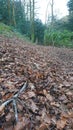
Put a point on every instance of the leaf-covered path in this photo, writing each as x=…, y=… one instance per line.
x=47, y=104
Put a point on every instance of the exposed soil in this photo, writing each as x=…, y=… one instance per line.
x=49, y=96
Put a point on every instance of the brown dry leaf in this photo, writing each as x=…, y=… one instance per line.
x=70, y=114
x=43, y=126
x=45, y=117
x=9, y=84
x=7, y=96
x=69, y=93
x=70, y=105
x=61, y=123
x=62, y=98
x=1, y=79
x=2, y=109
x=67, y=84
x=55, y=104
x=31, y=86
x=33, y=106
x=50, y=71
x=31, y=94
x=13, y=90
x=8, y=117
x=48, y=96
x=30, y=71
x=20, y=107
x=19, y=126
x=39, y=75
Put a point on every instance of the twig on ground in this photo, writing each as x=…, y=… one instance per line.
x=13, y=100
x=15, y=110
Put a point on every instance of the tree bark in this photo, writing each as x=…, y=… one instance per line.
x=9, y=12
x=32, y=8
x=13, y=14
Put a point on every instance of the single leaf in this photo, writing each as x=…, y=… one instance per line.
x=43, y=126
x=2, y=108
x=19, y=126
x=48, y=96
x=61, y=123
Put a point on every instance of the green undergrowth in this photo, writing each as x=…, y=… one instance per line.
x=59, y=38
x=10, y=32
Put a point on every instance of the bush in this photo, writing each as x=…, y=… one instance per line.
x=58, y=38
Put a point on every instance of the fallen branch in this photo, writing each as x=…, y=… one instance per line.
x=15, y=110
x=13, y=100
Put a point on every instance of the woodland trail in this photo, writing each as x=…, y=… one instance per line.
x=49, y=97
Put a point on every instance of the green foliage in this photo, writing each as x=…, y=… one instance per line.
x=23, y=25
x=11, y=32
x=70, y=5
x=56, y=35
x=61, y=34
x=3, y=11
x=70, y=8
x=58, y=38
x=39, y=31
x=6, y=30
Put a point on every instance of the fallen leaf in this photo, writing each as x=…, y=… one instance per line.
x=61, y=123
x=55, y=104
x=31, y=86
x=45, y=117
x=2, y=108
x=33, y=106
x=19, y=126
x=43, y=126
x=8, y=117
x=31, y=94
x=67, y=84
x=48, y=96
x=69, y=93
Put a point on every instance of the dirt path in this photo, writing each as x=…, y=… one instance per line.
x=49, y=72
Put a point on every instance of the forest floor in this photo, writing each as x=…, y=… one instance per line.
x=47, y=102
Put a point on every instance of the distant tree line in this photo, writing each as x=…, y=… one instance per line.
x=21, y=15
x=59, y=32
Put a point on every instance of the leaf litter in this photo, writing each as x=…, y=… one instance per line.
x=47, y=103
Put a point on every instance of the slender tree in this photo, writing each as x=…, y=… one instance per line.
x=52, y=19
x=52, y=12
x=13, y=13
x=32, y=18
x=32, y=24
x=9, y=12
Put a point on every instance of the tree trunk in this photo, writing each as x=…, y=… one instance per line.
x=9, y=12
x=52, y=13
x=13, y=14
x=32, y=8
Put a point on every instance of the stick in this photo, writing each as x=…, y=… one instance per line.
x=4, y=104
x=21, y=90
x=15, y=110
x=13, y=98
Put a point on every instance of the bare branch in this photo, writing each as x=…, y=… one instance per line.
x=13, y=99
x=21, y=90
x=15, y=110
